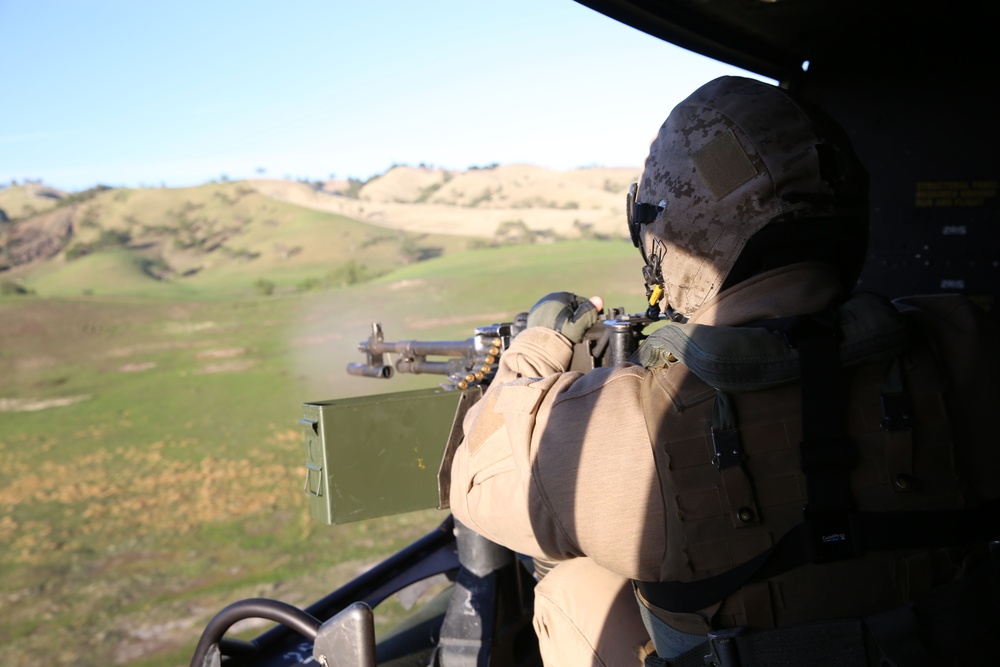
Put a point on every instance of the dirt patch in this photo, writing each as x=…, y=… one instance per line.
x=227, y=367
x=189, y=327
x=137, y=367
x=148, y=639
x=403, y=284
x=36, y=404
x=128, y=351
x=225, y=353
x=34, y=363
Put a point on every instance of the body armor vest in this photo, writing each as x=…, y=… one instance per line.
x=725, y=418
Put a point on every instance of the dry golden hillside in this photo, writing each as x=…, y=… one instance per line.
x=476, y=202
x=23, y=201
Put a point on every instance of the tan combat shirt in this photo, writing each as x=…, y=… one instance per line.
x=558, y=465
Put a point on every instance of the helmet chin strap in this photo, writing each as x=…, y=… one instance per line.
x=652, y=272
x=674, y=316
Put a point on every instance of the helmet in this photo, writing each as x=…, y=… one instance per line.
x=736, y=156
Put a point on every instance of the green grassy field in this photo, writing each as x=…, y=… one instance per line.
x=150, y=461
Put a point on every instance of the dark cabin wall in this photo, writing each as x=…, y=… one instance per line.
x=917, y=99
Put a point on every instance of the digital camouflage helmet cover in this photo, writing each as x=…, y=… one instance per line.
x=734, y=157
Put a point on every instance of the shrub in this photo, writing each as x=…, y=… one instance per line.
x=113, y=237
x=264, y=287
x=79, y=250
x=350, y=273
x=485, y=195
x=11, y=288
x=155, y=267
x=408, y=249
x=89, y=193
x=586, y=231
x=309, y=284
x=514, y=232
x=426, y=193
x=354, y=186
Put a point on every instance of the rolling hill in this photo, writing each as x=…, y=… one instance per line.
x=268, y=234
x=476, y=202
x=23, y=201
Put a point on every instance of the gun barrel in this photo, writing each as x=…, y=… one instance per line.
x=424, y=348
x=417, y=366
x=369, y=371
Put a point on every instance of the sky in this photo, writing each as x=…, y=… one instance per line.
x=176, y=93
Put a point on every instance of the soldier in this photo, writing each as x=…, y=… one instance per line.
x=788, y=473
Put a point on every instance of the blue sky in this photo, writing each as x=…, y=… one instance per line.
x=178, y=93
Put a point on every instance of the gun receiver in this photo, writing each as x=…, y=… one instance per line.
x=467, y=362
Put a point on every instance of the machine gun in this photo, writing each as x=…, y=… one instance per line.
x=472, y=362
x=400, y=445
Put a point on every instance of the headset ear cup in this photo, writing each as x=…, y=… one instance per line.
x=633, y=228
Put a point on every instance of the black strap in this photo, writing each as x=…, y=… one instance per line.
x=827, y=454
x=956, y=619
x=837, y=643
x=876, y=531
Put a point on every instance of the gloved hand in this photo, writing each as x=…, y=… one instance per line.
x=566, y=313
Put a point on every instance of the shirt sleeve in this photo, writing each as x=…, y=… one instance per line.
x=558, y=464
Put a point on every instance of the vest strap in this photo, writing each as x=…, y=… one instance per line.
x=877, y=531
x=827, y=454
x=958, y=618
x=728, y=457
x=898, y=425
